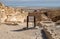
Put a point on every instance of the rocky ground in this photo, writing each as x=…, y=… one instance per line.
x=17, y=32
x=52, y=32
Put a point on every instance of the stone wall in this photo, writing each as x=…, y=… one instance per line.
x=50, y=30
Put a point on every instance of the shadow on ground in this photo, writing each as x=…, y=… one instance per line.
x=24, y=29
x=43, y=34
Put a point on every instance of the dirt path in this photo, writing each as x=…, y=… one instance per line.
x=7, y=32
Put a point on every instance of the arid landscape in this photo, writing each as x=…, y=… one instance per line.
x=29, y=22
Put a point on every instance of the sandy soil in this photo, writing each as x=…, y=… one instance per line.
x=14, y=32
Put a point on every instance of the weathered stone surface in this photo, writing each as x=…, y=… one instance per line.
x=51, y=31
x=10, y=14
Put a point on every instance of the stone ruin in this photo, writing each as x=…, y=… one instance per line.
x=9, y=14
x=50, y=30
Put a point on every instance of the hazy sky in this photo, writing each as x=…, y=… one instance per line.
x=44, y=3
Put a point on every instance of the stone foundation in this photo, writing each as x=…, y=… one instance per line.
x=50, y=30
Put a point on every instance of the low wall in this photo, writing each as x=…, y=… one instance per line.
x=50, y=30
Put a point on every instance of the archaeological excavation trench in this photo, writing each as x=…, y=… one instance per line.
x=21, y=23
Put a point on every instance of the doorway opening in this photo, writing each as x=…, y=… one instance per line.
x=31, y=19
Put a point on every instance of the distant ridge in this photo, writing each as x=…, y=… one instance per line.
x=37, y=7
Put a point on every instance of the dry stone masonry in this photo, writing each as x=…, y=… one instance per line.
x=50, y=30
